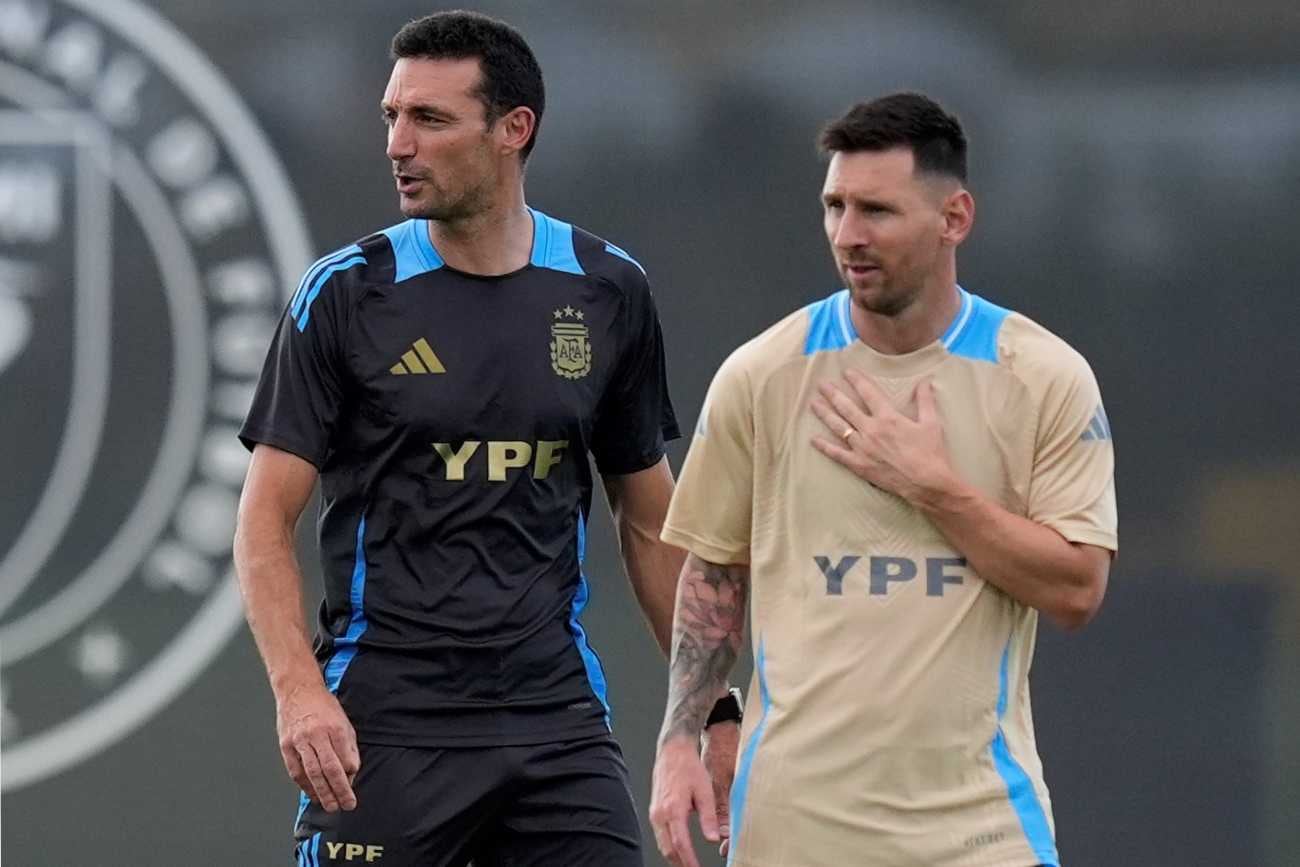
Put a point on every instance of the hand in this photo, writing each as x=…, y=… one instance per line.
x=681, y=785
x=721, y=743
x=880, y=444
x=319, y=746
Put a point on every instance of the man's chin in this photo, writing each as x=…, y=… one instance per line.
x=415, y=208
x=874, y=298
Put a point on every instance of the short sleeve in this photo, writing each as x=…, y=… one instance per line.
x=300, y=393
x=635, y=416
x=1072, y=489
x=712, y=506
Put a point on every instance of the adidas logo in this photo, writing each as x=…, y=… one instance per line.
x=1098, y=428
x=420, y=358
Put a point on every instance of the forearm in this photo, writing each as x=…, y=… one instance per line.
x=653, y=567
x=271, y=584
x=708, y=628
x=1028, y=561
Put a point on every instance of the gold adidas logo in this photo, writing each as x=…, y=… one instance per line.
x=420, y=358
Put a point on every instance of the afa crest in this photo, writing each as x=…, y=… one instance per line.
x=570, y=347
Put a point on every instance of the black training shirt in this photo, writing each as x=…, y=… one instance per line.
x=451, y=416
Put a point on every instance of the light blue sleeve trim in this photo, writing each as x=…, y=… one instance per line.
x=413, y=252
x=319, y=283
x=346, y=646
x=740, y=786
x=553, y=244
x=1098, y=427
x=829, y=325
x=1020, y=789
x=977, y=337
x=1105, y=422
x=623, y=254
x=308, y=278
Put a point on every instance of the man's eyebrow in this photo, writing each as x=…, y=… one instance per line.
x=425, y=107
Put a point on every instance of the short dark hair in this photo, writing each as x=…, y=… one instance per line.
x=511, y=76
x=910, y=120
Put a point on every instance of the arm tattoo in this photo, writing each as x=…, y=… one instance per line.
x=707, y=630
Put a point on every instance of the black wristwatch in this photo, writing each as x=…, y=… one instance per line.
x=729, y=708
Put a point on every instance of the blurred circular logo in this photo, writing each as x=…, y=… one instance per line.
x=146, y=228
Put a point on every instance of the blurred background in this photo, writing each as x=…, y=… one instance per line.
x=167, y=170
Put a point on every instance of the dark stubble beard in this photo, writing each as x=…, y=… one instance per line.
x=472, y=201
x=469, y=204
x=889, y=302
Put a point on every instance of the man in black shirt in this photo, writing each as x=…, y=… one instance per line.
x=446, y=379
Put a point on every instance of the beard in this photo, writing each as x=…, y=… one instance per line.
x=447, y=207
x=466, y=190
x=887, y=298
x=889, y=302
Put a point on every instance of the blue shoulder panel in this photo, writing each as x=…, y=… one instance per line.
x=975, y=333
x=622, y=254
x=413, y=252
x=829, y=325
x=553, y=244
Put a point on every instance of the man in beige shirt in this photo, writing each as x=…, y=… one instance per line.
x=900, y=477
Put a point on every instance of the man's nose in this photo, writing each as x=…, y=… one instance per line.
x=851, y=232
x=401, y=143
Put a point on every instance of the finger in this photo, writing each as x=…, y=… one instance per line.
x=345, y=747
x=683, y=851
x=834, y=422
x=871, y=395
x=335, y=777
x=707, y=807
x=724, y=812
x=926, y=409
x=662, y=840
x=836, y=451
x=293, y=765
x=724, y=828
x=725, y=847
x=848, y=407
x=316, y=779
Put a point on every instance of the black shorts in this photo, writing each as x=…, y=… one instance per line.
x=520, y=806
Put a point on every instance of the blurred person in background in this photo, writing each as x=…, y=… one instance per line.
x=901, y=476
x=446, y=379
